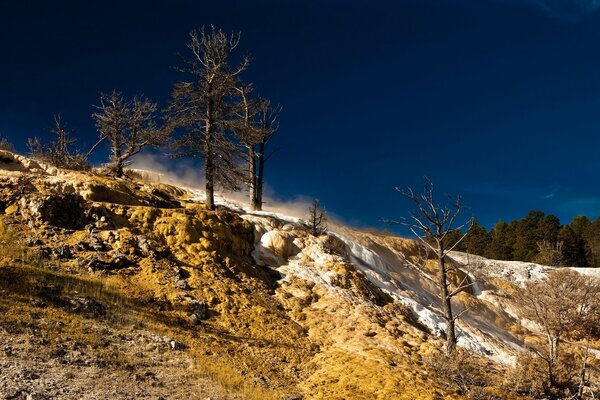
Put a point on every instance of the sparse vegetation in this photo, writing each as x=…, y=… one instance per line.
x=202, y=107
x=317, y=218
x=432, y=224
x=128, y=126
x=123, y=263
x=5, y=144
x=59, y=151
x=257, y=122
x=566, y=306
x=467, y=374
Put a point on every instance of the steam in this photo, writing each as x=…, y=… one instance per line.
x=184, y=173
x=181, y=173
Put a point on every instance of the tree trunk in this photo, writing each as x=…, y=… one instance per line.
x=446, y=302
x=252, y=177
x=552, y=357
x=209, y=167
x=583, y=369
x=259, y=177
x=118, y=168
x=210, y=186
x=117, y=158
x=582, y=378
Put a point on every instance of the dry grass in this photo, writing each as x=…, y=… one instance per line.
x=34, y=297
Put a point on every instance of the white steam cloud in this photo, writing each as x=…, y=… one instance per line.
x=185, y=173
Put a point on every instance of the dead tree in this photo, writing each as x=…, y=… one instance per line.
x=268, y=126
x=256, y=123
x=128, y=126
x=5, y=144
x=566, y=305
x=432, y=223
x=249, y=135
x=59, y=152
x=202, y=107
x=317, y=218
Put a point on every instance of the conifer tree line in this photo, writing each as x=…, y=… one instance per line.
x=539, y=238
x=213, y=115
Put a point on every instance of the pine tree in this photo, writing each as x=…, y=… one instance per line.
x=477, y=239
x=573, y=248
x=591, y=237
x=500, y=247
x=579, y=224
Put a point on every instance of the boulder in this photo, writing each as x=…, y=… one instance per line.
x=62, y=211
x=116, y=261
x=62, y=252
x=87, y=306
x=280, y=243
x=198, y=310
x=274, y=248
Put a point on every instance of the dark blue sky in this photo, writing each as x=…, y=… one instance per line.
x=496, y=100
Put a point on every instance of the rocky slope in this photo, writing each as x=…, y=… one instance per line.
x=132, y=289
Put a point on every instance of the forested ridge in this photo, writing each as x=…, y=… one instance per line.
x=537, y=237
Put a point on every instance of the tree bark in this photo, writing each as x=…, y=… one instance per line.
x=209, y=167
x=552, y=356
x=446, y=301
x=259, y=177
x=117, y=157
x=252, y=177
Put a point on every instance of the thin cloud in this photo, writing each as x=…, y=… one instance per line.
x=552, y=193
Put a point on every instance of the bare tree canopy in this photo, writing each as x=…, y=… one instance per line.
x=248, y=133
x=433, y=223
x=268, y=117
x=257, y=122
x=5, y=144
x=566, y=305
x=59, y=152
x=202, y=106
x=128, y=125
x=317, y=218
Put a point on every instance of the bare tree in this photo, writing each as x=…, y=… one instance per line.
x=268, y=126
x=59, y=152
x=433, y=224
x=566, y=305
x=249, y=136
x=128, y=126
x=256, y=123
x=202, y=106
x=5, y=144
x=317, y=218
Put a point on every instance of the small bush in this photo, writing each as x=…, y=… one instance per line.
x=6, y=145
x=465, y=374
x=530, y=376
x=58, y=152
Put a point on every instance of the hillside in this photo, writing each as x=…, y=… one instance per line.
x=130, y=288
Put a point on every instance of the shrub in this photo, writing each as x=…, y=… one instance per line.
x=58, y=152
x=464, y=373
x=6, y=145
x=530, y=377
